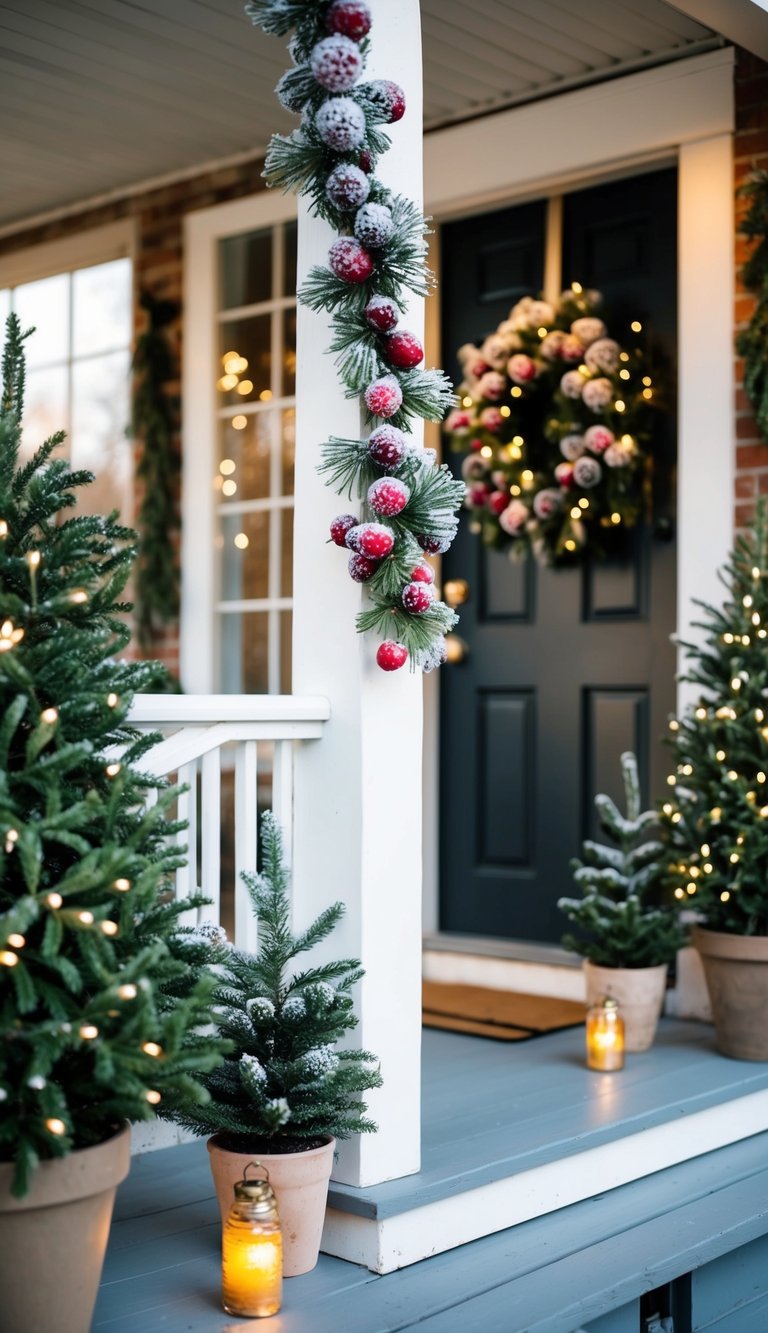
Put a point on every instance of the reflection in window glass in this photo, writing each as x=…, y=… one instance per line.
x=244, y=556
x=46, y=406
x=5, y=305
x=245, y=269
x=44, y=305
x=245, y=450
x=243, y=653
x=245, y=360
x=100, y=410
x=101, y=307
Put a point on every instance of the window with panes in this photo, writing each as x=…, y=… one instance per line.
x=255, y=383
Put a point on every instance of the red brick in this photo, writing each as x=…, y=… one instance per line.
x=746, y=428
x=746, y=486
x=751, y=455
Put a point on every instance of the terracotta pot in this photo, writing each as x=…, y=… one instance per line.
x=52, y=1242
x=736, y=968
x=640, y=995
x=300, y=1181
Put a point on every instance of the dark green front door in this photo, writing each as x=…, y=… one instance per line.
x=565, y=669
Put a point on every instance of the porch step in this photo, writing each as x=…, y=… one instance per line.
x=511, y=1133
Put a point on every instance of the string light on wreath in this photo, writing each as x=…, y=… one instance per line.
x=407, y=503
x=569, y=443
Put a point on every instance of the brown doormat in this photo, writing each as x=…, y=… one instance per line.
x=505, y=1015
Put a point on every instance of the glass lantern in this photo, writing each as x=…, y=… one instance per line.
x=605, y=1036
x=252, y=1249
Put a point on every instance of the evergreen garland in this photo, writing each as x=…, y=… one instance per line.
x=103, y=1001
x=752, y=342
x=717, y=811
x=621, y=928
x=380, y=255
x=158, y=470
x=284, y=1083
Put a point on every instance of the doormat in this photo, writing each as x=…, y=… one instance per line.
x=501, y=1014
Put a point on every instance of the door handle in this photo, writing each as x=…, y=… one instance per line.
x=456, y=592
x=456, y=650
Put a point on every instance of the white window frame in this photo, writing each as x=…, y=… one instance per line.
x=202, y=232
x=681, y=112
x=97, y=245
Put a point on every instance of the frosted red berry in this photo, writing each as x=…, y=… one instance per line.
x=375, y=541
x=336, y=63
x=433, y=545
x=341, y=526
x=353, y=536
x=374, y=225
x=350, y=17
x=388, y=496
x=360, y=568
x=387, y=446
x=384, y=397
x=340, y=122
x=389, y=96
x=403, y=349
x=390, y=656
x=365, y=161
x=347, y=187
x=498, y=501
x=381, y=313
x=418, y=597
x=422, y=574
x=350, y=260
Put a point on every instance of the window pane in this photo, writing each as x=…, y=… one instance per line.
x=45, y=304
x=289, y=280
x=100, y=413
x=289, y=354
x=289, y=450
x=5, y=306
x=244, y=454
x=286, y=652
x=245, y=269
x=243, y=653
x=101, y=307
x=244, y=556
x=286, y=552
x=45, y=407
x=247, y=340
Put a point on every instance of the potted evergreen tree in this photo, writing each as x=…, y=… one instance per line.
x=284, y=1094
x=627, y=943
x=717, y=811
x=100, y=1001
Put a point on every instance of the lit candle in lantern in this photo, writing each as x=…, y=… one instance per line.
x=605, y=1036
x=252, y=1250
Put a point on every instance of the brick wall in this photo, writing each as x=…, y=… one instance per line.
x=750, y=153
x=159, y=221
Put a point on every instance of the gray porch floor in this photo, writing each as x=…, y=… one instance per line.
x=583, y=1267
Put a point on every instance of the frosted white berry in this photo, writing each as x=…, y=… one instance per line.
x=374, y=225
x=336, y=63
x=347, y=186
x=340, y=122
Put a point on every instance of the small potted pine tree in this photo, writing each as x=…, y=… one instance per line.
x=717, y=811
x=284, y=1094
x=102, y=1005
x=627, y=943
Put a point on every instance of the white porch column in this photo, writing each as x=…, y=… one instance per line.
x=358, y=792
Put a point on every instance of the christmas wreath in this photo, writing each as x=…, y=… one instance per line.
x=557, y=415
x=408, y=503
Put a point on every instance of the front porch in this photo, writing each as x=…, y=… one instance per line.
x=507, y=1134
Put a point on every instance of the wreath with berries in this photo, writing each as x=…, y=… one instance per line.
x=409, y=503
x=558, y=418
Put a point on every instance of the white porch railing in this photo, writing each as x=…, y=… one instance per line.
x=249, y=741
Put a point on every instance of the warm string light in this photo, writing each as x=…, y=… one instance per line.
x=127, y=991
x=89, y=1032
x=16, y=941
x=54, y=901
x=108, y=927
x=10, y=635
x=152, y=1048
x=11, y=838
x=122, y=885
x=78, y=596
x=112, y=701
x=3, y=529
x=49, y=716
x=55, y=1126
x=153, y=1096
x=8, y=958
x=112, y=770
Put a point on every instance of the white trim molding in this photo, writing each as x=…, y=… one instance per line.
x=95, y=245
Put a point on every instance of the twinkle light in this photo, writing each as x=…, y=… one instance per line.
x=674, y=725
x=239, y=422
x=152, y=1048
x=78, y=596
x=720, y=756
x=515, y=490
x=8, y=958
x=735, y=683
x=667, y=808
x=3, y=528
x=86, y=918
x=716, y=814
x=705, y=849
x=516, y=391
x=764, y=812
x=619, y=405
x=647, y=393
x=245, y=386
x=728, y=638
x=624, y=374
x=576, y=288
x=722, y=712
x=55, y=1126
x=108, y=927
x=229, y=487
x=647, y=381
x=732, y=774
x=112, y=770
x=755, y=617
x=226, y=383
x=707, y=867
x=11, y=838
x=570, y=545
x=724, y=896
x=49, y=715
x=122, y=885
x=54, y=900
x=517, y=439
x=486, y=451
x=623, y=356
x=615, y=518
x=33, y=560
x=127, y=991
x=112, y=700
x=690, y=888
x=576, y=512
x=515, y=451
x=505, y=411
x=755, y=572
x=679, y=893
x=734, y=858
x=671, y=780
x=466, y=402
x=686, y=770
x=228, y=356
x=584, y=502
x=740, y=840
x=694, y=872
x=701, y=714
x=16, y=941
x=241, y=540
x=527, y=476
x=153, y=1096
x=764, y=733
x=747, y=601
x=10, y=635
x=227, y=466
x=89, y=1032
x=542, y=332
x=676, y=818
x=636, y=326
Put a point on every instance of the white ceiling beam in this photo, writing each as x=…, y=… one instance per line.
x=744, y=22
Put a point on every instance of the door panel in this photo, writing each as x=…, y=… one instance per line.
x=565, y=669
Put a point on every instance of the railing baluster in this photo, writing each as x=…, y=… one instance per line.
x=282, y=792
x=246, y=839
x=210, y=867
x=186, y=875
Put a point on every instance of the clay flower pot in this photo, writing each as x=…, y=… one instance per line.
x=300, y=1181
x=640, y=995
x=736, y=968
x=52, y=1242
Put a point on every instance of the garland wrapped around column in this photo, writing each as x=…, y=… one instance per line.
x=752, y=342
x=409, y=503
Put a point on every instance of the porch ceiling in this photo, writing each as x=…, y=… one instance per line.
x=97, y=96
